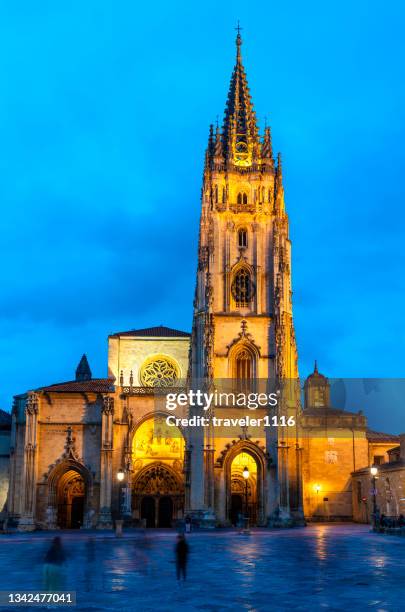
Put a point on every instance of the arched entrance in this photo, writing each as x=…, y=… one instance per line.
x=243, y=490
x=159, y=494
x=158, y=480
x=70, y=500
x=245, y=496
x=69, y=489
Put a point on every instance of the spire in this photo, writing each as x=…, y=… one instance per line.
x=210, y=148
x=316, y=367
x=267, y=149
x=279, y=169
x=211, y=140
x=218, y=143
x=238, y=45
x=240, y=131
x=279, y=189
x=83, y=371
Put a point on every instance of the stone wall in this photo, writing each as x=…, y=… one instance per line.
x=389, y=489
x=127, y=354
x=4, y=468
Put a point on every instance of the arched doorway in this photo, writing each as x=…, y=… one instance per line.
x=159, y=493
x=158, y=480
x=71, y=491
x=243, y=490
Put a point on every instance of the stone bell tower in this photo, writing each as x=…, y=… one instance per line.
x=243, y=326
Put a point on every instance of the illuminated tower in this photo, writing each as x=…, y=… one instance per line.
x=243, y=326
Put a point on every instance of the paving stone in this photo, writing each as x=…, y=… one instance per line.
x=320, y=567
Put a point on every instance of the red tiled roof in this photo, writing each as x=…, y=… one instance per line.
x=379, y=436
x=160, y=331
x=5, y=417
x=96, y=385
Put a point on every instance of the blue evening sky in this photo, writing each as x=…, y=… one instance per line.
x=104, y=115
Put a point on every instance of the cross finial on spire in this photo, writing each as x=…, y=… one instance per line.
x=316, y=367
x=238, y=42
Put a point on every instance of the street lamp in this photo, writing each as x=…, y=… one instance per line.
x=317, y=488
x=374, y=476
x=246, y=475
x=119, y=522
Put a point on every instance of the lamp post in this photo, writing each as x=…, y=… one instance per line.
x=317, y=488
x=374, y=476
x=246, y=475
x=119, y=521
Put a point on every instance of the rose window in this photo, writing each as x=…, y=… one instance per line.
x=159, y=372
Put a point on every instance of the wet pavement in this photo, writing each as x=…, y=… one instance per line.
x=320, y=567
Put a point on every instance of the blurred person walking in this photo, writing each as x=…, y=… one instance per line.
x=53, y=566
x=181, y=557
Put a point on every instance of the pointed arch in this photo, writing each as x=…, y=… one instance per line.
x=243, y=362
x=242, y=238
x=259, y=456
x=68, y=473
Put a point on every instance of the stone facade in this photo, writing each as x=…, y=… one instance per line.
x=389, y=484
x=5, y=432
x=89, y=450
x=243, y=328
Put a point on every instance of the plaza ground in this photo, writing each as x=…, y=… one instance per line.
x=320, y=567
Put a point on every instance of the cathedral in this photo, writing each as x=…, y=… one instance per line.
x=88, y=451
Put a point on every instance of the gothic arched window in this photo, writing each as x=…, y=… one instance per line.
x=244, y=369
x=242, y=198
x=223, y=195
x=242, y=287
x=242, y=238
x=244, y=365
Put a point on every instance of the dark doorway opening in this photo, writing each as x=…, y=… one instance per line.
x=71, y=495
x=165, y=511
x=77, y=512
x=236, y=508
x=148, y=510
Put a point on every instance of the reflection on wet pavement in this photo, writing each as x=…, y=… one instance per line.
x=323, y=567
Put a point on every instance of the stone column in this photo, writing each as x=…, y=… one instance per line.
x=187, y=476
x=209, y=476
x=106, y=475
x=283, y=483
x=28, y=492
x=197, y=474
x=299, y=510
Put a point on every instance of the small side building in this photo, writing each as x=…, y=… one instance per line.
x=389, y=484
x=335, y=443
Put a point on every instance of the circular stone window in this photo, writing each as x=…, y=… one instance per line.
x=159, y=372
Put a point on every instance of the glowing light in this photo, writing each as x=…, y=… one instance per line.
x=245, y=473
x=373, y=471
x=120, y=475
x=317, y=487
